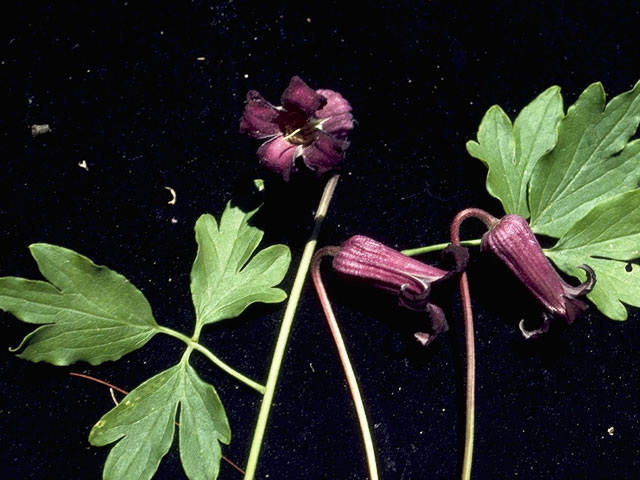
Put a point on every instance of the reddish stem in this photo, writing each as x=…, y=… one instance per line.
x=97, y=380
x=349, y=373
x=490, y=221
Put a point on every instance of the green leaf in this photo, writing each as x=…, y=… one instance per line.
x=591, y=162
x=510, y=152
x=223, y=280
x=89, y=312
x=606, y=239
x=203, y=425
x=143, y=425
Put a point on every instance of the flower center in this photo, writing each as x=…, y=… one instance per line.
x=297, y=128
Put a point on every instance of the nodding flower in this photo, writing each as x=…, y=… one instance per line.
x=365, y=260
x=312, y=124
x=513, y=242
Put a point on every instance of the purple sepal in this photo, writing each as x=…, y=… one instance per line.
x=259, y=117
x=278, y=155
x=325, y=153
x=513, y=242
x=438, y=325
x=336, y=114
x=299, y=96
x=365, y=260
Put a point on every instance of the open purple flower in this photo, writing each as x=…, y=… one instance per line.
x=366, y=260
x=513, y=242
x=312, y=124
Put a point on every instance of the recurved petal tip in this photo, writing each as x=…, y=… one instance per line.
x=424, y=338
x=438, y=325
x=586, y=286
x=411, y=299
x=531, y=334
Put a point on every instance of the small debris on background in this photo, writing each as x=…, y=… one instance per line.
x=173, y=196
x=610, y=431
x=174, y=220
x=83, y=164
x=200, y=59
x=39, y=129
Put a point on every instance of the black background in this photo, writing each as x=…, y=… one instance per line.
x=122, y=89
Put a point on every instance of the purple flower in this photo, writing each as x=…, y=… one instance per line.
x=513, y=242
x=366, y=260
x=312, y=124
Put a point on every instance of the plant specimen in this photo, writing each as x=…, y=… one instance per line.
x=572, y=177
x=90, y=313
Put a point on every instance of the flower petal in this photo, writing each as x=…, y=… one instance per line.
x=575, y=307
x=336, y=114
x=278, y=155
x=368, y=260
x=325, y=153
x=530, y=334
x=259, y=117
x=338, y=126
x=299, y=96
x=438, y=325
x=513, y=242
x=336, y=104
x=584, y=287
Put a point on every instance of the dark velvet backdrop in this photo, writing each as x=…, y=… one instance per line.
x=122, y=88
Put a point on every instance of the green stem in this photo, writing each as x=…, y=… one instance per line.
x=207, y=353
x=439, y=246
x=285, y=328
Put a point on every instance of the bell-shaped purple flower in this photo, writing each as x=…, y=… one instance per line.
x=513, y=242
x=366, y=260
x=312, y=124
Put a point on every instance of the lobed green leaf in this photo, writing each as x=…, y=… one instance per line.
x=225, y=279
x=606, y=239
x=88, y=312
x=511, y=152
x=591, y=162
x=143, y=424
x=203, y=425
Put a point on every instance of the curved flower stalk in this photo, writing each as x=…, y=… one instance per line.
x=312, y=124
x=513, y=242
x=365, y=260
